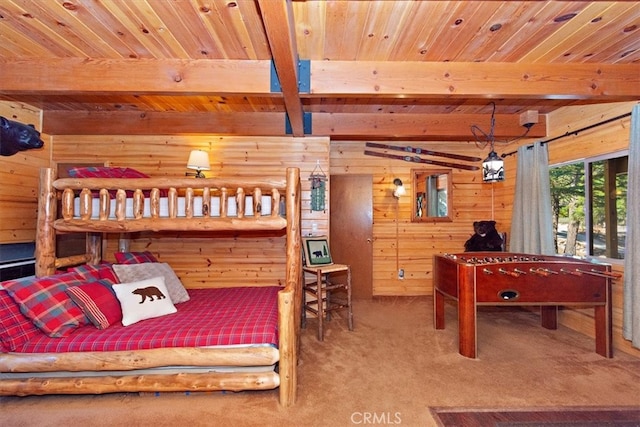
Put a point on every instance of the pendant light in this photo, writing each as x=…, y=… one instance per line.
x=493, y=165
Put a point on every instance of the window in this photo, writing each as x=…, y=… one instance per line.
x=432, y=195
x=589, y=201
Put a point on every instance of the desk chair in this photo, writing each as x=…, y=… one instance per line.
x=323, y=285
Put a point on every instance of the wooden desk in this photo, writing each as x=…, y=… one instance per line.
x=501, y=278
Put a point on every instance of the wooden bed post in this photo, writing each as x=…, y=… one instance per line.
x=289, y=300
x=45, y=234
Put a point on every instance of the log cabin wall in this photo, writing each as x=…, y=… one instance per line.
x=19, y=176
x=199, y=260
x=415, y=243
x=411, y=245
x=600, y=140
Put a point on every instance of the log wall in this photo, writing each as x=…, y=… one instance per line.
x=397, y=241
x=604, y=139
x=19, y=177
x=201, y=260
x=412, y=245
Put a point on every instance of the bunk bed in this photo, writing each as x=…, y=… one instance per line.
x=117, y=206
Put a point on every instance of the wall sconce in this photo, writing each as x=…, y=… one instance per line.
x=399, y=190
x=199, y=161
x=492, y=167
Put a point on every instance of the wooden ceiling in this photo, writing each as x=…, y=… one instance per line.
x=347, y=69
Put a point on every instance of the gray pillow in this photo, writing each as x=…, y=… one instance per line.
x=135, y=272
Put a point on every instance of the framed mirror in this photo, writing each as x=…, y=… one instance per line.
x=432, y=198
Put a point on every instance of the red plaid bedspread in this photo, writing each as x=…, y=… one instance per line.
x=226, y=316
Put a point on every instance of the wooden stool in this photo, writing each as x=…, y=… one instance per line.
x=322, y=287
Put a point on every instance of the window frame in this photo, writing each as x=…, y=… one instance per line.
x=588, y=213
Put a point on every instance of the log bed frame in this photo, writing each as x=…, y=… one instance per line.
x=139, y=371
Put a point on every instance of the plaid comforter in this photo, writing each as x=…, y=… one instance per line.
x=227, y=316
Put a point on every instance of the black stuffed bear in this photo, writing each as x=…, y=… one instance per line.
x=15, y=136
x=485, y=238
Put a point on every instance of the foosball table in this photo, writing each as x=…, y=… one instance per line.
x=475, y=279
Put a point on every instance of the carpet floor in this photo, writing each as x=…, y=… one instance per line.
x=389, y=370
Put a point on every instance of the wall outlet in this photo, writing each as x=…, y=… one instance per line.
x=401, y=273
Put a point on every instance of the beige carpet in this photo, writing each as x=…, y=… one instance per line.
x=389, y=371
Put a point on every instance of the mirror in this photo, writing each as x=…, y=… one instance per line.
x=432, y=195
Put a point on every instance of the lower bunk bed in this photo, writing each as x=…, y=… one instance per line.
x=232, y=339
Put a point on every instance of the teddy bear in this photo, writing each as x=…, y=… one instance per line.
x=485, y=238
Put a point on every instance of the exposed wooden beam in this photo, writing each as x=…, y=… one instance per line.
x=602, y=82
x=426, y=126
x=134, y=76
x=277, y=17
x=417, y=126
x=617, y=82
x=161, y=123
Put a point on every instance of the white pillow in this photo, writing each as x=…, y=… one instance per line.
x=146, y=270
x=143, y=300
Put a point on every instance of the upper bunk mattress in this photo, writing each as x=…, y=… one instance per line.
x=212, y=317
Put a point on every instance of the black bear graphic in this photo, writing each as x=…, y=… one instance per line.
x=150, y=292
x=318, y=254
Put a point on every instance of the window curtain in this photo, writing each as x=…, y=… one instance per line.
x=631, y=304
x=531, y=223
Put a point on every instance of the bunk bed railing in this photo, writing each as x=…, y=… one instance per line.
x=89, y=204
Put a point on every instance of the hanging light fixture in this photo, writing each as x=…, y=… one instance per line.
x=198, y=161
x=493, y=165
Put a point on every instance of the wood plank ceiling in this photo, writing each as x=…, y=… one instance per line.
x=347, y=69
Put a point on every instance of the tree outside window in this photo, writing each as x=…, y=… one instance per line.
x=589, y=206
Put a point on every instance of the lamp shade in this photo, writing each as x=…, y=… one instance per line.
x=198, y=160
x=493, y=168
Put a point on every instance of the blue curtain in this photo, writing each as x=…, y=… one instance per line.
x=531, y=223
x=631, y=305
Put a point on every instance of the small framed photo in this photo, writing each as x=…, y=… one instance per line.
x=316, y=251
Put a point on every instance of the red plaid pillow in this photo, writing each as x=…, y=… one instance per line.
x=105, y=172
x=45, y=302
x=98, y=302
x=108, y=172
x=91, y=272
x=15, y=328
x=135, y=257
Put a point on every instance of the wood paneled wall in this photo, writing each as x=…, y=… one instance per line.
x=600, y=140
x=19, y=179
x=204, y=261
x=603, y=139
x=200, y=259
x=397, y=241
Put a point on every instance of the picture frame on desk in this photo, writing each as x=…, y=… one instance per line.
x=316, y=251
